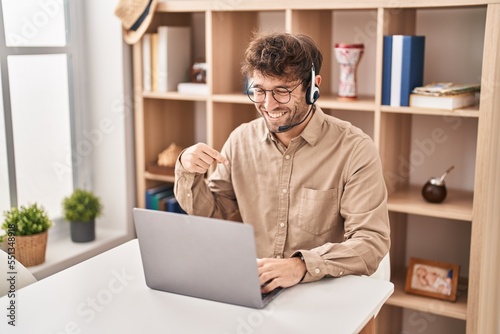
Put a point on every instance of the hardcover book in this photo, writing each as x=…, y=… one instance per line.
x=403, y=68
x=193, y=88
x=447, y=102
x=174, y=57
x=146, y=62
x=151, y=192
x=154, y=62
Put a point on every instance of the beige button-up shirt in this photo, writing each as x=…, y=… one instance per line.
x=323, y=196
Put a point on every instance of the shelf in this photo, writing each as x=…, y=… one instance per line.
x=457, y=205
x=469, y=28
x=362, y=103
x=174, y=96
x=261, y=5
x=232, y=98
x=400, y=298
x=158, y=177
x=472, y=112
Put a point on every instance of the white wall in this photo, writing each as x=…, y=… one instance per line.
x=111, y=117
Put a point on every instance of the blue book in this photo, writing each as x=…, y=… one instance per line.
x=412, y=71
x=407, y=68
x=159, y=196
x=386, y=71
x=152, y=191
x=173, y=205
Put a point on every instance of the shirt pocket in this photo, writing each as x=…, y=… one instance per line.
x=318, y=210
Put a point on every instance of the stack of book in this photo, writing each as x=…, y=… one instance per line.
x=403, y=68
x=444, y=95
x=166, y=58
x=162, y=198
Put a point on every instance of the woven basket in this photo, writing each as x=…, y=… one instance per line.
x=30, y=249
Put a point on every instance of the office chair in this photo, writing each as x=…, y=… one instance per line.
x=23, y=276
x=383, y=271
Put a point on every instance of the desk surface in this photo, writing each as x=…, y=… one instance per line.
x=108, y=294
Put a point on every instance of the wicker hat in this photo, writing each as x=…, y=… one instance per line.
x=136, y=16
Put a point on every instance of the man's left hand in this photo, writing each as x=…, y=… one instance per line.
x=280, y=272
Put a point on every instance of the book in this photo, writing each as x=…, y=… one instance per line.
x=412, y=72
x=150, y=192
x=396, y=70
x=446, y=88
x=403, y=68
x=155, y=202
x=193, y=88
x=146, y=62
x=386, y=70
x=154, y=62
x=447, y=102
x=173, y=205
x=174, y=57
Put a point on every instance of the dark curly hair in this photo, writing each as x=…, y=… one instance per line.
x=283, y=55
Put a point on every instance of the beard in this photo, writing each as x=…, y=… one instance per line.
x=288, y=116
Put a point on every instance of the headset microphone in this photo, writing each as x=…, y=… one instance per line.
x=312, y=95
x=288, y=127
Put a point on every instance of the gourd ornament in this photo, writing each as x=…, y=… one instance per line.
x=434, y=190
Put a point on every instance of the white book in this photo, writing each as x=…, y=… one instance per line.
x=193, y=88
x=174, y=57
x=396, y=70
x=146, y=62
x=447, y=102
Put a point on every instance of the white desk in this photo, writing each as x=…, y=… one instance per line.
x=108, y=294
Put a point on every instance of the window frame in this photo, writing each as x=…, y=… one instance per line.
x=73, y=15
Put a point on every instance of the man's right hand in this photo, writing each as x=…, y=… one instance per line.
x=199, y=157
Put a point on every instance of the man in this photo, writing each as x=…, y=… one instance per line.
x=310, y=184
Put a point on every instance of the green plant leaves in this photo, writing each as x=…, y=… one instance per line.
x=81, y=206
x=26, y=220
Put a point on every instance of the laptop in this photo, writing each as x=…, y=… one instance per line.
x=200, y=257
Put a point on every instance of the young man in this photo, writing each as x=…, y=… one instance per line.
x=310, y=184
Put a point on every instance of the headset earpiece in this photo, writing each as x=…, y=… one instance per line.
x=312, y=93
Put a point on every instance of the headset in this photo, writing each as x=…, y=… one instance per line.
x=312, y=94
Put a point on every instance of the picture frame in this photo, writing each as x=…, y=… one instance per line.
x=432, y=279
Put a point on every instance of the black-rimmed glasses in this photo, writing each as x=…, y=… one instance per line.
x=280, y=94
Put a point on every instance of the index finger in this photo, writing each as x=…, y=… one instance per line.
x=216, y=155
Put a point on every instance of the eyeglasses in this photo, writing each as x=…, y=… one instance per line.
x=280, y=94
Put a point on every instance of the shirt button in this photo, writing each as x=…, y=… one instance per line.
x=284, y=191
x=282, y=225
x=341, y=273
x=278, y=257
x=188, y=195
x=317, y=271
x=287, y=157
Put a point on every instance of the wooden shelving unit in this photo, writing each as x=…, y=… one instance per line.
x=225, y=29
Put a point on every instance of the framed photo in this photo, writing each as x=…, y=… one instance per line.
x=432, y=279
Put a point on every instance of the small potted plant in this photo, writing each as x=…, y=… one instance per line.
x=81, y=209
x=26, y=233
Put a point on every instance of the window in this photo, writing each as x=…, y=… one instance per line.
x=38, y=118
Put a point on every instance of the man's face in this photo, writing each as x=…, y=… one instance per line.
x=276, y=113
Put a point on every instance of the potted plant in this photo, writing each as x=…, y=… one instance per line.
x=81, y=209
x=26, y=233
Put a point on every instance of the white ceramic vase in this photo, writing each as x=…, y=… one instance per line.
x=348, y=57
